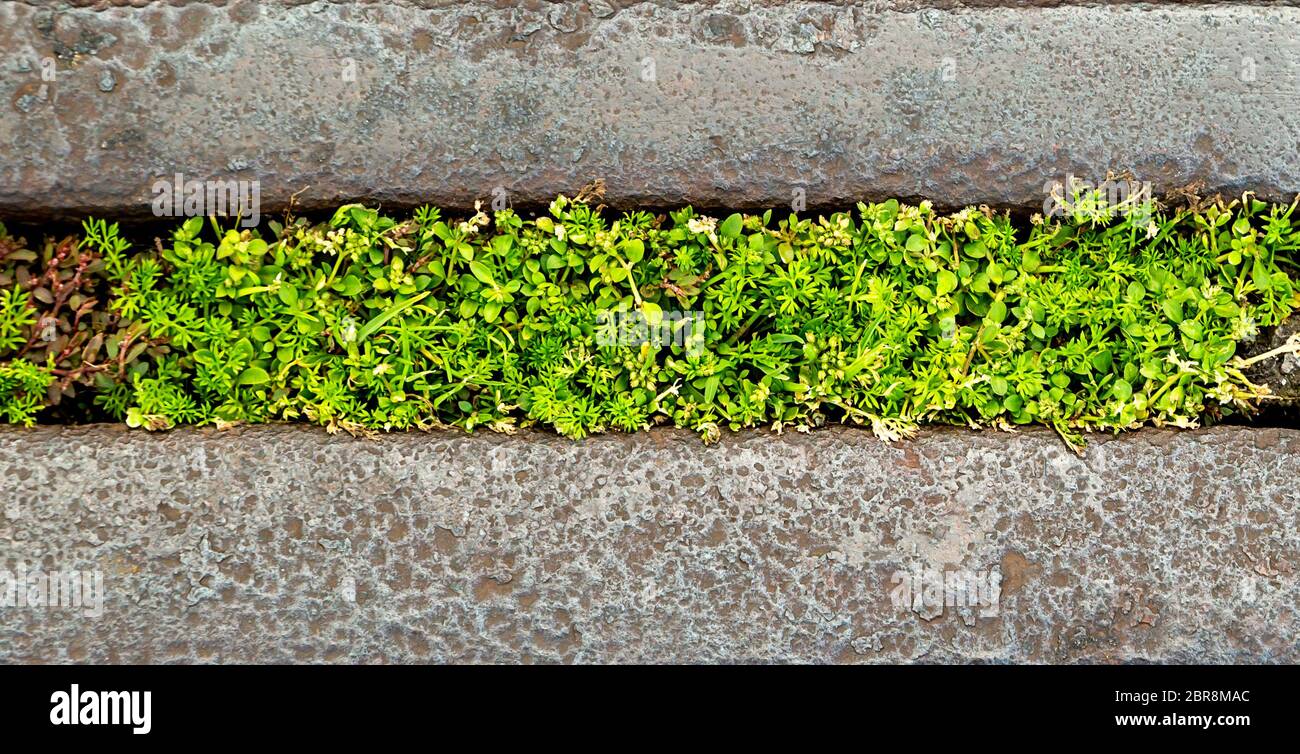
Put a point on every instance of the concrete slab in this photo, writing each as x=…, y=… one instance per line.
x=726, y=103
x=283, y=544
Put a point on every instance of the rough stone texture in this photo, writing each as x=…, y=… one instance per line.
x=288, y=545
x=616, y=5
x=749, y=102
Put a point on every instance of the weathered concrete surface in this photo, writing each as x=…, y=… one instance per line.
x=289, y=545
x=897, y=5
x=723, y=103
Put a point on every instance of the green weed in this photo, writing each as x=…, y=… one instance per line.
x=892, y=316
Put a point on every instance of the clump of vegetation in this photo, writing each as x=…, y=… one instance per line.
x=892, y=316
x=58, y=334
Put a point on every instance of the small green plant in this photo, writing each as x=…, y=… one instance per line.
x=56, y=328
x=892, y=316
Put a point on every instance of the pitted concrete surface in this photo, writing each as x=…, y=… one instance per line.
x=725, y=103
x=284, y=544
